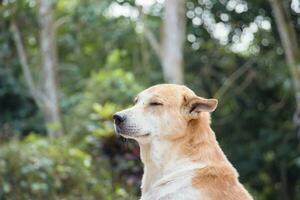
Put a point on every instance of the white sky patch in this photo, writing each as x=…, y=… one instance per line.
x=224, y=17
x=116, y=10
x=231, y=5
x=263, y=23
x=221, y=32
x=148, y=4
x=145, y=3
x=296, y=5
x=266, y=25
x=253, y=27
x=244, y=42
x=197, y=21
x=191, y=38
x=208, y=18
x=239, y=6
x=190, y=14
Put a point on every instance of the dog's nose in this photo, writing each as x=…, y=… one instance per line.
x=119, y=118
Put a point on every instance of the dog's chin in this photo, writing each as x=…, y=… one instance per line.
x=132, y=134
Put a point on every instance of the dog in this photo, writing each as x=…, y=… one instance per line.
x=181, y=156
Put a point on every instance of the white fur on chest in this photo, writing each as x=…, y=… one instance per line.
x=176, y=185
x=168, y=177
x=172, y=192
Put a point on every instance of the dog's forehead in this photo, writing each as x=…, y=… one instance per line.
x=166, y=91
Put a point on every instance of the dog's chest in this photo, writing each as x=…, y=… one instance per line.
x=177, y=190
x=169, y=177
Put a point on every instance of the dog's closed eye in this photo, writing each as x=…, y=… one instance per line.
x=155, y=104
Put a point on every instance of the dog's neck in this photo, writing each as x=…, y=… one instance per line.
x=161, y=158
x=162, y=163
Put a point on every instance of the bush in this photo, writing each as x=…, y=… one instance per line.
x=102, y=88
x=89, y=163
x=40, y=168
x=89, y=122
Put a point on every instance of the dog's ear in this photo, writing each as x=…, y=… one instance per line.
x=195, y=105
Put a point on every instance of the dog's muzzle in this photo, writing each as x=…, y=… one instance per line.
x=126, y=129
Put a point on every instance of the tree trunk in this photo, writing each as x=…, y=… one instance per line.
x=172, y=41
x=290, y=45
x=292, y=55
x=49, y=65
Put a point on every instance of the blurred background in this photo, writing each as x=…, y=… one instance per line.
x=67, y=66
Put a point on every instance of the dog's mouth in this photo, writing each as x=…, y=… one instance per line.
x=129, y=132
x=134, y=135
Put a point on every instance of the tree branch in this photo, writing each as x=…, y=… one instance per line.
x=232, y=78
x=36, y=94
x=246, y=82
x=149, y=35
x=60, y=22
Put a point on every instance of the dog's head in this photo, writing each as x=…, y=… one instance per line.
x=161, y=111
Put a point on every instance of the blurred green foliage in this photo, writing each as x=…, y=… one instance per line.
x=39, y=168
x=106, y=92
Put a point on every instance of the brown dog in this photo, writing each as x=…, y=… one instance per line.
x=182, y=159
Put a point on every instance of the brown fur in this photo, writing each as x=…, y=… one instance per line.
x=219, y=180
